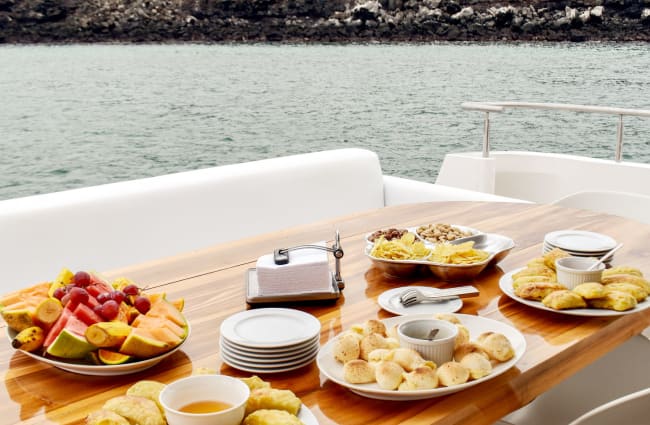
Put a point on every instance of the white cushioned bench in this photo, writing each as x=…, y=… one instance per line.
x=115, y=225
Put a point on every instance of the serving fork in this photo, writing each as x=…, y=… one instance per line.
x=414, y=296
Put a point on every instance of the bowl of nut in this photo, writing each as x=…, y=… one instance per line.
x=388, y=234
x=441, y=233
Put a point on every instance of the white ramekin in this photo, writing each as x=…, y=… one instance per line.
x=440, y=350
x=572, y=271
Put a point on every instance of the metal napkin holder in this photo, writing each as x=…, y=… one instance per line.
x=282, y=256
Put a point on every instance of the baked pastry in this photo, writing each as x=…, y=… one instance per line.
x=552, y=255
x=537, y=291
x=462, y=337
x=626, y=278
x=388, y=375
x=378, y=355
x=449, y=317
x=535, y=270
x=496, y=345
x=420, y=378
x=370, y=326
x=408, y=358
x=106, y=417
x=371, y=342
x=274, y=399
x=477, y=364
x=255, y=382
x=622, y=270
x=358, y=372
x=271, y=417
x=452, y=373
x=615, y=300
x=392, y=332
x=136, y=409
x=525, y=279
x=590, y=290
x=563, y=300
x=346, y=348
x=467, y=348
x=637, y=292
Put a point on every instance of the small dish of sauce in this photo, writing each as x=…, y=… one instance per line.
x=205, y=406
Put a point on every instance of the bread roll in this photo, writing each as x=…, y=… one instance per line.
x=273, y=399
x=449, y=317
x=371, y=342
x=622, y=270
x=462, y=337
x=271, y=417
x=378, y=355
x=452, y=373
x=477, y=364
x=590, y=290
x=636, y=291
x=408, y=358
x=346, y=348
x=388, y=375
x=537, y=291
x=626, y=278
x=563, y=300
x=497, y=346
x=420, y=378
x=467, y=348
x=615, y=300
x=358, y=372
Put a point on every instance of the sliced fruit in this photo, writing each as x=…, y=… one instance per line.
x=64, y=278
x=86, y=314
x=107, y=334
x=164, y=308
x=112, y=357
x=30, y=339
x=148, y=322
x=48, y=312
x=179, y=304
x=32, y=295
x=18, y=319
x=140, y=343
x=57, y=327
x=69, y=345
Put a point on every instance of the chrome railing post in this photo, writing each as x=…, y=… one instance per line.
x=619, y=138
x=486, y=135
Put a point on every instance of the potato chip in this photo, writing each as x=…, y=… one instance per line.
x=404, y=248
x=463, y=253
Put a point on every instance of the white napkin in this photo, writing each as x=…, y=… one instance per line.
x=307, y=271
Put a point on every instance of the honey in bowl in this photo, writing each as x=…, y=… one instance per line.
x=205, y=406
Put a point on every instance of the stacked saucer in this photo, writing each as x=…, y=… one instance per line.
x=269, y=340
x=580, y=243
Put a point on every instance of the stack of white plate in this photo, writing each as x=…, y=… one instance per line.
x=269, y=340
x=580, y=243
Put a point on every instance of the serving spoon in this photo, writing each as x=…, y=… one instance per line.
x=605, y=257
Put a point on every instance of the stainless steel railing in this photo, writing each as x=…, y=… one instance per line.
x=488, y=107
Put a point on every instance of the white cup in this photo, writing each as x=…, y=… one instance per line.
x=197, y=388
x=413, y=334
x=572, y=271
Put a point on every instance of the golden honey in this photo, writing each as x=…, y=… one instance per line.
x=205, y=406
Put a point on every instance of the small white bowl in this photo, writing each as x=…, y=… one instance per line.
x=412, y=334
x=572, y=271
x=196, y=388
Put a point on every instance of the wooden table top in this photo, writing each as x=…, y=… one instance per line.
x=212, y=283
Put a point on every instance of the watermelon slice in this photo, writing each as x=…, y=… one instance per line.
x=87, y=315
x=57, y=327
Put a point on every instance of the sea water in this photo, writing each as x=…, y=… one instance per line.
x=80, y=115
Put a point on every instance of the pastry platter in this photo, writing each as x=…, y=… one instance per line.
x=505, y=283
x=333, y=370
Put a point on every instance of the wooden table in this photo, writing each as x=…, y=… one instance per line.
x=212, y=283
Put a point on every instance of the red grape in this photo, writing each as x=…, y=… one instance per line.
x=79, y=295
x=142, y=304
x=118, y=296
x=81, y=278
x=98, y=309
x=59, y=293
x=103, y=297
x=110, y=309
x=131, y=290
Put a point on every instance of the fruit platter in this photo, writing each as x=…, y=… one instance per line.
x=81, y=323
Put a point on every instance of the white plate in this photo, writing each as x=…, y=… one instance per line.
x=389, y=301
x=272, y=366
x=255, y=369
x=261, y=361
x=306, y=416
x=505, y=283
x=333, y=370
x=275, y=354
x=102, y=370
x=580, y=240
x=270, y=328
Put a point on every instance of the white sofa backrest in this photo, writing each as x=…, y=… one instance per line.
x=115, y=225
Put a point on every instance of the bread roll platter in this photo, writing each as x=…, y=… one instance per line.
x=408, y=253
x=334, y=369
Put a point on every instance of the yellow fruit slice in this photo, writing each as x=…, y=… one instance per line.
x=107, y=334
x=112, y=357
x=48, y=312
x=179, y=304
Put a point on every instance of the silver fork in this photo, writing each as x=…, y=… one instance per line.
x=414, y=296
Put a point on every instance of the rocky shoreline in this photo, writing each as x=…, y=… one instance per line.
x=141, y=21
